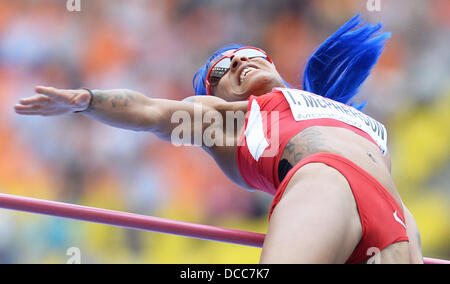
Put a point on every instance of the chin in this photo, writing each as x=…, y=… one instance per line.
x=263, y=84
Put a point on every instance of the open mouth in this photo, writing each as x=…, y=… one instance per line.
x=245, y=72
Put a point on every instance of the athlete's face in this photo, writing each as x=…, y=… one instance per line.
x=255, y=76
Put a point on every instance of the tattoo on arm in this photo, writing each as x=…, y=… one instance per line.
x=117, y=98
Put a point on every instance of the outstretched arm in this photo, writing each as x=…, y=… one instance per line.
x=124, y=108
x=120, y=108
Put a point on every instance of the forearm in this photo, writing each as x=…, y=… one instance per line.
x=120, y=108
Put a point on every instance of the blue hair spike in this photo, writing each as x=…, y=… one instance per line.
x=343, y=62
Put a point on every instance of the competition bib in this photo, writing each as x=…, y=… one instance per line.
x=305, y=105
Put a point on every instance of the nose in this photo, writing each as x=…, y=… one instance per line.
x=237, y=60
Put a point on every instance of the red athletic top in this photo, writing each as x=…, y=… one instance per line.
x=260, y=147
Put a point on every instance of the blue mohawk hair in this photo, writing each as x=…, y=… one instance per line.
x=343, y=62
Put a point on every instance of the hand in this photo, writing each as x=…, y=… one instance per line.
x=52, y=101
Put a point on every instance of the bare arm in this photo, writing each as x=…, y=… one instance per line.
x=120, y=108
x=127, y=109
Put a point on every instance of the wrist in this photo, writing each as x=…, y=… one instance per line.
x=84, y=100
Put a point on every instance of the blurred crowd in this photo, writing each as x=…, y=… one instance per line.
x=155, y=47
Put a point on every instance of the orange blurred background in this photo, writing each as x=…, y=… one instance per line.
x=155, y=47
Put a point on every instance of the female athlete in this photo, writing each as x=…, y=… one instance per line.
x=326, y=163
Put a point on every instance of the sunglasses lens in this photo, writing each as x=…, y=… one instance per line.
x=216, y=74
x=223, y=63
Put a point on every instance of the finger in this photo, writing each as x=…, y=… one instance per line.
x=49, y=91
x=29, y=112
x=25, y=111
x=36, y=99
x=18, y=107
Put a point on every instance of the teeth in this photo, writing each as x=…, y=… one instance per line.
x=245, y=72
